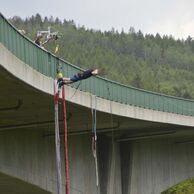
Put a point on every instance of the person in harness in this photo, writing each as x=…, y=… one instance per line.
x=78, y=77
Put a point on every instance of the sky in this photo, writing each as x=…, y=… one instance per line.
x=166, y=17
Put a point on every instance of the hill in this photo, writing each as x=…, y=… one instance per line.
x=160, y=64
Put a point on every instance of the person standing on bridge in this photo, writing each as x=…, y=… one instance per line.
x=40, y=37
x=79, y=76
x=38, y=40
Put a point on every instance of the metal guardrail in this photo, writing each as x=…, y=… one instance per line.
x=44, y=62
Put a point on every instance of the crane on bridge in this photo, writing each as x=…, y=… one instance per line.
x=47, y=35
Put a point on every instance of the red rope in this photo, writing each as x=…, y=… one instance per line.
x=65, y=142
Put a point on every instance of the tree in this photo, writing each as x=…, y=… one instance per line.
x=155, y=63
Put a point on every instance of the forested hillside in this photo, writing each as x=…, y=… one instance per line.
x=160, y=64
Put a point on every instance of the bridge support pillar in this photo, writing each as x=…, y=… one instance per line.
x=109, y=166
x=159, y=164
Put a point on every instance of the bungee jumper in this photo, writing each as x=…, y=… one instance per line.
x=78, y=76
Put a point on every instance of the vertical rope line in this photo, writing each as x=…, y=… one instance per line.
x=57, y=140
x=65, y=142
x=94, y=137
x=76, y=89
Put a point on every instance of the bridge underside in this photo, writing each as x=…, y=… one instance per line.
x=125, y=147
x=22, y=106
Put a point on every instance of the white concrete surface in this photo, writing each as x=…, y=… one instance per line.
x=29, y=156
x=157, y=165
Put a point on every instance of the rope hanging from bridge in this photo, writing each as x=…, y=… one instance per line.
x=57, y=96
x=65, y=142
x=94, y=136
x=76, y=89
x=94, y=133
x=57, y=135
x=57, y=139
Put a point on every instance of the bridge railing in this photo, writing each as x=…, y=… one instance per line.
x=44, y=62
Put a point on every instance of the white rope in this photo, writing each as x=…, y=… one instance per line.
x=57, y=140
x=93, y=107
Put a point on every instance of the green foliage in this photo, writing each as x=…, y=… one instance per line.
x=160, y=64
x=185, y=187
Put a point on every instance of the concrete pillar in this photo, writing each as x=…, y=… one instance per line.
x=81, y=165
x=159, y=164
x=114, y=186
x=126, y=156
x=109, y=166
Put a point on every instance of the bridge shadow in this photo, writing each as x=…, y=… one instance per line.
x=12, y=185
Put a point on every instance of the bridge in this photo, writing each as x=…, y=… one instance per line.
x=145, y=139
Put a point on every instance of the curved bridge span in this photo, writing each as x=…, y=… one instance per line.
x=145, y=139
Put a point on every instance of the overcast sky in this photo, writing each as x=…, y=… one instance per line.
x=169, y=17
